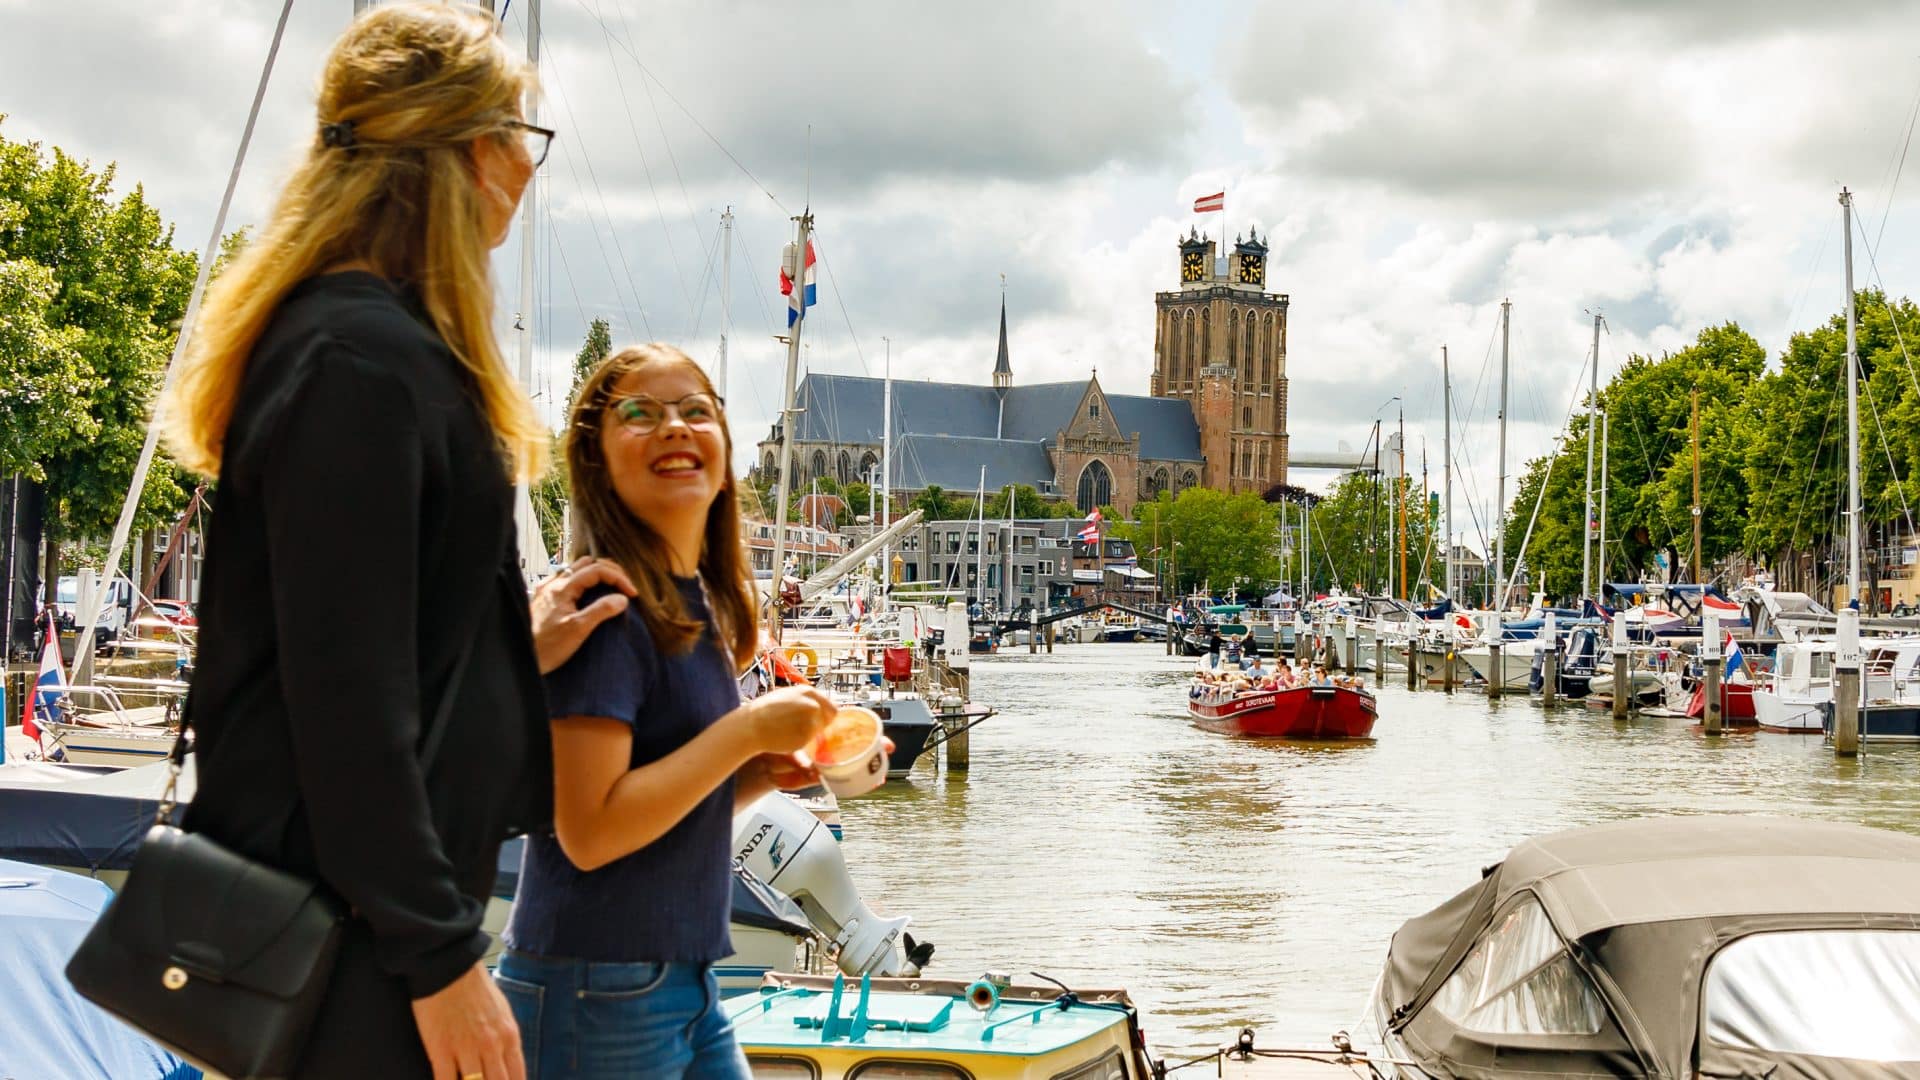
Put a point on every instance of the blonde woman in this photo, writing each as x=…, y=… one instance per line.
x=345, y=387
x=623, y=909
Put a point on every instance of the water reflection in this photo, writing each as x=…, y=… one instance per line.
x=1104, y=840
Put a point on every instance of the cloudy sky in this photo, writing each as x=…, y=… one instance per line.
x=1673, y=164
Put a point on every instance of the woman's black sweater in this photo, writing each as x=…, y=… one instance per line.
x=362, y=530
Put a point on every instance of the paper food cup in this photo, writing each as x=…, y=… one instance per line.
x=851, y=752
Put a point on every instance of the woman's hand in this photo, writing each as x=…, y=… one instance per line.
x=469, y=1032
x=785, y=720
x=560, y=625
x=782, y=772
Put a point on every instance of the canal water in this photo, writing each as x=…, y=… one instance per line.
x=1104, y=841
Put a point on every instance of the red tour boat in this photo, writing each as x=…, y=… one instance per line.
x=1301, y=712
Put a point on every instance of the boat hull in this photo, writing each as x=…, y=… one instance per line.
x=1736, y=704
x=909, y=723
x=1304, y=712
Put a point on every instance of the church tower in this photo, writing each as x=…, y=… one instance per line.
x=1220, y=344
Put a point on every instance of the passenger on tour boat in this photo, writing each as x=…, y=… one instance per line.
x=623, y=907
x=1254, y=669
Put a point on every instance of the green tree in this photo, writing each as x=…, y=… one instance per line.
x=939, y=505
x=122, y=287
x=43, y=378
x=1027, y=503
x=1213, y=538
x=597, y=347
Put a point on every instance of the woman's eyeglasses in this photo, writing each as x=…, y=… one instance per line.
x=536, y=139
x=643, y=414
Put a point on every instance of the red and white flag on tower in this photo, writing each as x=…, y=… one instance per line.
x=1208, y=204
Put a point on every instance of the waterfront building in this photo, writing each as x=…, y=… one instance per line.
x=809, y=547
x=1215, y=415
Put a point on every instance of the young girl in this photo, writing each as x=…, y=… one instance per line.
x=623, y=909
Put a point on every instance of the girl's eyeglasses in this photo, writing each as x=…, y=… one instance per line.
x=537, y=140
x=643, y=414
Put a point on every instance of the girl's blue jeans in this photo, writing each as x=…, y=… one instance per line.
x=593, y=1020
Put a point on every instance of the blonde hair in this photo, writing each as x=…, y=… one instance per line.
x=411, y=86
x=603, y=526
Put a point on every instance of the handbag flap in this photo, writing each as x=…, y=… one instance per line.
x=221, y=916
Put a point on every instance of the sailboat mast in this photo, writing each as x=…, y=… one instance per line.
x=1853, y=415
x=796, y=256
x=529, y=210
x=1600, y=563
x=886, y=470
x=1500, y=492
x=980, y=536
x=726, y=298
x=1586, y=522
x=1400, y=491
x=1698, y=517
x=1446, y=455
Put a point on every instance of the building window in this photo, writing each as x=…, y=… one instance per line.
x=1246, y=417
x=1096, y=487
x=953, y=543
x=1046, y=567
x=819, y=463
x=1189, y=479
x=1093, y=409
x=973, y=543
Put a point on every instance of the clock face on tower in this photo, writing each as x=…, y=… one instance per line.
x=1253, y=270
x=1192, y=266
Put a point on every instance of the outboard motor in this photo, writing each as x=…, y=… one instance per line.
x=789, y=849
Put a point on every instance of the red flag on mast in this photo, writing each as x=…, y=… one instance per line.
x=1208, y=204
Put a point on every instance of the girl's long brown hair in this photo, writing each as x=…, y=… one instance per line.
x=418, y=84
x=603, y=526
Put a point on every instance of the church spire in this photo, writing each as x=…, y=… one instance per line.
x=1002, y=370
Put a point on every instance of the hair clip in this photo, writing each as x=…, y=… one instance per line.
x=338, y=134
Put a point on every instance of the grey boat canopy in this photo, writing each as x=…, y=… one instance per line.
x=1671, y=947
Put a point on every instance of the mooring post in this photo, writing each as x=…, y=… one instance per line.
x=1050, y=631
x=1413, y=660
x=1549, y=662
x=959, y=750
x=1379, y=653
x=1714, y=718
x=1622, y=668
x=1353, y=645
x=1451, y=643
x=1846, y=684
x=1496, y=672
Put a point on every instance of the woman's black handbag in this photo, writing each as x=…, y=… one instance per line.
x=220, y=958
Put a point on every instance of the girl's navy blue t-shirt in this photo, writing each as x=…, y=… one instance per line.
x=670, y=901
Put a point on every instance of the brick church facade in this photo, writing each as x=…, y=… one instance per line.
x=1215, y=416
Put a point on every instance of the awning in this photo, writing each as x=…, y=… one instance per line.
x=1133, y=572
x=1086, y=577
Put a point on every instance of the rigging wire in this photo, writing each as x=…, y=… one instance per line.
x=653, y=103
x=633, y=128
x=1906, y=143
x=560, y=91
x=711, y=137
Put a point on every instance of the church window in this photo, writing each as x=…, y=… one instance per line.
x=1192, y=359
x=1246, y=416
x=1189, y=479
x=1249, y=348
x=870, y=468
x=1157, y=483
x=1246, y=459
x=1093, y=410
x=1096, y=487
x=819, y=464
x=1265, y=461
x=1233, y=339
x=846, y=467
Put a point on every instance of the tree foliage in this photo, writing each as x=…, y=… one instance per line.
x=1211, y=538
x=100, y=291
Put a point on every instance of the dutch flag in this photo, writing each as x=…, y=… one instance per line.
x=806, y=296
x=1090, y=532
x=1735, y=658
x=43, y=703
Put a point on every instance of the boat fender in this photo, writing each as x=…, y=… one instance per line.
x=801, y=648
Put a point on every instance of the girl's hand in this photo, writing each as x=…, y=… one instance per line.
x=785, y=772
x=787, y=719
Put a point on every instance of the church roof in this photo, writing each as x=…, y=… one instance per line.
x=1166, y=427
x=954, y=461
x=1000, y=364
x=847, y=409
